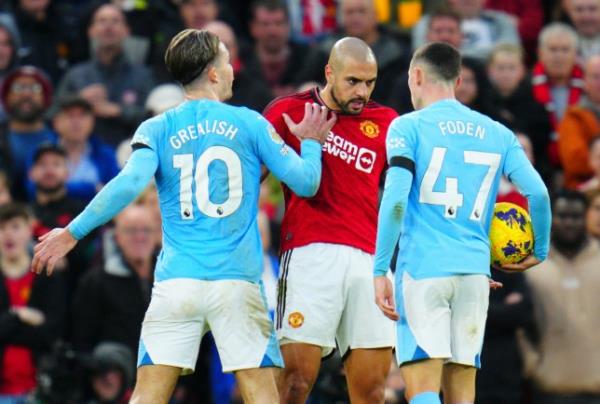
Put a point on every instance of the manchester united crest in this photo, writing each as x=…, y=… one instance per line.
x=370, y=129
x=295, y=319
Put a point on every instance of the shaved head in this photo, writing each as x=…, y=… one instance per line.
x=350, y=48
x=351, y=73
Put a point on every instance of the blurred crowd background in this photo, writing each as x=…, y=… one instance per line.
x=78, y=76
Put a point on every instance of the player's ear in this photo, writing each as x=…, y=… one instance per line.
x=212, y=74
x=328, y=72
x=457, y=82
x=419, y=76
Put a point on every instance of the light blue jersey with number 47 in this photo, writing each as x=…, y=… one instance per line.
x=208, y=181
x=459, y=156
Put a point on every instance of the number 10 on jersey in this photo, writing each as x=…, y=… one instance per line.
x=185, y=163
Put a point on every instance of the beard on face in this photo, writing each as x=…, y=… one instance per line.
x=49, y=189
x=570, y=242
x=19, y=112
x=344, y=106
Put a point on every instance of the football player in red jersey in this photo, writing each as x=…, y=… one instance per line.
x=328, y=241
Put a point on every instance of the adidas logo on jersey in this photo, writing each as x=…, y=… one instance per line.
x=361, y=158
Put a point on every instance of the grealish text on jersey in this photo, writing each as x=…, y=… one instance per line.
x=193, y=132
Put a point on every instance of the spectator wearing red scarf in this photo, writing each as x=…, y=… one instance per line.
x=557, y=79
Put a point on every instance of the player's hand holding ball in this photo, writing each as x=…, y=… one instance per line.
x=511, y=238
x=314, y=125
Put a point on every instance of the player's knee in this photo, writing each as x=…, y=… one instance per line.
x=371, y=389
x=374, y=394
x=297, y=385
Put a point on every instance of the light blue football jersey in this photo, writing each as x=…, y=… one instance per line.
x=459, y=157
x=208, y=181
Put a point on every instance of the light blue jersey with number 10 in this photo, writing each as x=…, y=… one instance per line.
x=208, y=181
x=459, y=156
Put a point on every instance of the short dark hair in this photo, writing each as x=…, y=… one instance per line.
x=443, y=59
x=48, y=148
x=271, y=5
x=13, y=211
x=189, y=54
x=444, y=12
x=571, y=196
x=74, y=101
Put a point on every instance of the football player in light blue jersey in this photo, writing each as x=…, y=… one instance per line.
x=446, y=162
x=206, y=158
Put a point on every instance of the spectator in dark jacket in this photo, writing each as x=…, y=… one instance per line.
x=115, y=87
x=111, y=379
x=111, y=301
x=32, y=308
x=500, y=380
x=44, y=42
x=53, y=208
x=91, y=163
x=274, y=60
x=473, y=84
x=510, y=99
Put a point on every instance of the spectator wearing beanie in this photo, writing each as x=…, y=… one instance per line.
x=26, y=94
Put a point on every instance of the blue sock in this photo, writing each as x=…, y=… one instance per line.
x=429, y=397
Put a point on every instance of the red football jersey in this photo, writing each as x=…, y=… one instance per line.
x=344, y=210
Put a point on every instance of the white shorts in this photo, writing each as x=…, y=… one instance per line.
x=183, y=310
x=442, y=318
x=326, y=294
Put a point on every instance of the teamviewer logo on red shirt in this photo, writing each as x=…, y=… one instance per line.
x=365, y=160
x=362, y=158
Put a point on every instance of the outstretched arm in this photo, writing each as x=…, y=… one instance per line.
x=117, y=194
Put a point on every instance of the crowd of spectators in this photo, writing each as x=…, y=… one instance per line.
x=77, y=77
